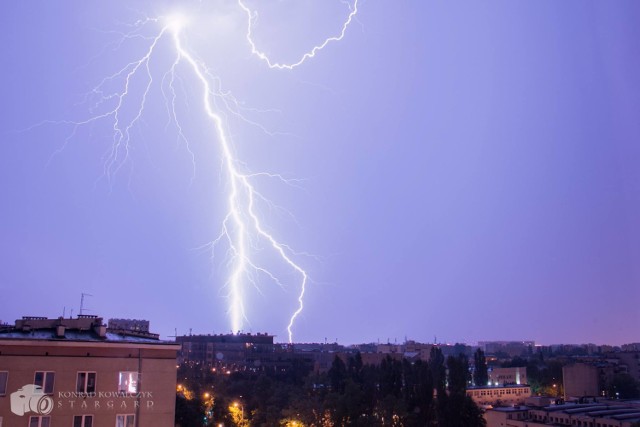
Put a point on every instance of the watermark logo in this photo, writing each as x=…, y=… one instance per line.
x=31, y=398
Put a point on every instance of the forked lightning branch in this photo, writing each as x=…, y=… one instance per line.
x=242, y=224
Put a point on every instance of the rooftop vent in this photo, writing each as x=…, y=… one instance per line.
x=60, y=331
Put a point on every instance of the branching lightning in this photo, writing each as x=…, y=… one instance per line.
x=241, y=224
x=251, y=17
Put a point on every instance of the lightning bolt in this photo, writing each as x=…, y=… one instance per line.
x=251, y=18
x=241, y=223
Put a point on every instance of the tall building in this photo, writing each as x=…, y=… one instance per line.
x=581, y=380
x=78, y=373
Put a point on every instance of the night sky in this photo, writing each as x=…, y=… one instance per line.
x=463, y=170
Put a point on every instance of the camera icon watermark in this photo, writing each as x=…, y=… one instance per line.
x=31, y=398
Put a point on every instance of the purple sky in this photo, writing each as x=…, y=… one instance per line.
x=470, y=170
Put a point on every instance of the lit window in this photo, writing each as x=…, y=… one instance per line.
x=45, y=379
x=86, y=382
x=39, y=421
x=125, y=420
x=128, y=382
x=83, y=421
x=3, y=385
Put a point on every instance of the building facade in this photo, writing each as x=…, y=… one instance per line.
x=507, y=376
x=580, y=380
x=78, y=373
x=226, y=350
x=499, y=395
x=131, y=325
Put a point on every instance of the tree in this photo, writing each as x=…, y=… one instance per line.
x=458, y=375
x=355, y=367
x=623, y=386
x=338, y=375
x=422, y=398
x=480, y=372
x=438, y=371
x=456, y=408
x=390, y=377
x=188, y=412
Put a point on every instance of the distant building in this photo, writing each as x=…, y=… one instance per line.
x=631, y=347
x=580, y=380
x=500, y=395
x=413, y=350
x=507, y=376
x=627, y=361
x=417, y=350
x=508, y=348
x=389, y=348
x=224, y=348
x=234, y=351
x=129, y=325
x=77, y=372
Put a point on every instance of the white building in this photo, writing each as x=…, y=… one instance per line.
x=499, y=395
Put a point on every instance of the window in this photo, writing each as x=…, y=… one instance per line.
x=128, y=382
x=86, y=382
x=39, y=421
x=83, y=421
x=125, y=420
x=3, y=385
x=45, y=379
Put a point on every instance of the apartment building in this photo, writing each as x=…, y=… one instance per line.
x=78, y=373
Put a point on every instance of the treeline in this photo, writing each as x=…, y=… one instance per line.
x=394, y=393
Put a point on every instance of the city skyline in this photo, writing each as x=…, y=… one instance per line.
x=466, y=172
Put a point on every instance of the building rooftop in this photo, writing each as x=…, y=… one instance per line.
x=628, y=411
x=510, y=408
x=493, y=387
x=240, y=338
x=82, y=328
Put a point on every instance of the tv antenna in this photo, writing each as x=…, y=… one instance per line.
x=82, y=309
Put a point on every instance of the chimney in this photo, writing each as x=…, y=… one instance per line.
x=101, y=330
x=60, y=331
